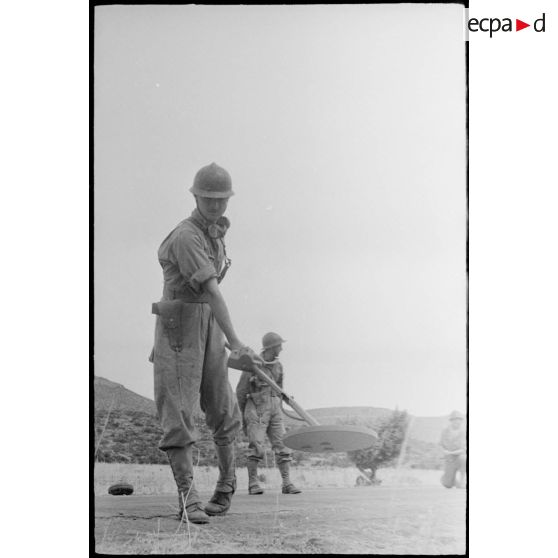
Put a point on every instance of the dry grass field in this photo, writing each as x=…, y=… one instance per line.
x=157, y=479
x=409, y=513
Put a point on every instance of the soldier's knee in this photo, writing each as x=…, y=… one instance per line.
x=283, y=456
x=224, y=439
x=256, y=450
x=225, y=433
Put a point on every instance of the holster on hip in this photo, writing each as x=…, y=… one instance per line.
x=170, y=312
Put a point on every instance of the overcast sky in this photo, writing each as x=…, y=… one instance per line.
x=343, y=128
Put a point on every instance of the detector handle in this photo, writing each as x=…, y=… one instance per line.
x=245, y=359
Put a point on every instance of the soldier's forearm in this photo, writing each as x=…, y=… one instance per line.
x=221, y=313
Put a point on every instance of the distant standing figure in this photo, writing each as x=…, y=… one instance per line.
x=261, y=410
x=453, y=442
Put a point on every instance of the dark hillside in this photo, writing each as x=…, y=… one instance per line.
x=127, y=430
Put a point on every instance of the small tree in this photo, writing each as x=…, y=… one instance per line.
x=391, y=433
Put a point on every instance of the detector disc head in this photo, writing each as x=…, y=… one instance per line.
x=334, y=438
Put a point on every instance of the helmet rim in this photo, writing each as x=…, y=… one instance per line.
x=272, y=339
x=196, y=191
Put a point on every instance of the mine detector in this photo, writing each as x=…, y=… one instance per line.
x=314, y=437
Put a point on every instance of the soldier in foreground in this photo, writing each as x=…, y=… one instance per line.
x=453, y=443
x=189, y=356
x=261, y=409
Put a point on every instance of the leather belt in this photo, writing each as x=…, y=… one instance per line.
x=185, y=296
x=270, y=392
x=188, y=298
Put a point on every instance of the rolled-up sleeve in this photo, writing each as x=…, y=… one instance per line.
x=193, y=261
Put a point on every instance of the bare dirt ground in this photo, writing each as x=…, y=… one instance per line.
x=372, y=520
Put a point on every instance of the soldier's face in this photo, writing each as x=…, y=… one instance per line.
x=212, y=208
x=276, y=350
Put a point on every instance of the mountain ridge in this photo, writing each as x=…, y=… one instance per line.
x=109, y=394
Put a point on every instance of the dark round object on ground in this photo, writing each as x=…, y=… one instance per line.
x=121, y=489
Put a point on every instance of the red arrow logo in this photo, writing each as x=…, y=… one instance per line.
x=519, y=25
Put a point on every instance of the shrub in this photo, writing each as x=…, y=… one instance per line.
x=391, y=434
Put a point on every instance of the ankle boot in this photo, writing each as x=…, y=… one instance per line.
x=189, y=502
x=253, y=486
x=288, y=487
x=220, y=502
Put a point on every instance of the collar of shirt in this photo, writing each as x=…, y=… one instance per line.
x=276, y=359
x=213, y=230
x=199, y=220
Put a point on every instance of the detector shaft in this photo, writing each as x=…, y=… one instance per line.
x=287, y=398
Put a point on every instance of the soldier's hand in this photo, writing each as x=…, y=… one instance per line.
x=252, y=354
x=239, y=346
x=235, y=345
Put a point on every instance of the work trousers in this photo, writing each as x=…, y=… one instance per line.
x=199, y=370
x=453, y=464
x=262, y=416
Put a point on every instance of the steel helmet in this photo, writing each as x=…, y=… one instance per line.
x=212, y=181
x=456, y=415
x=271, y=340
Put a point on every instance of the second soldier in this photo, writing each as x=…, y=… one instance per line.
x=261, y=410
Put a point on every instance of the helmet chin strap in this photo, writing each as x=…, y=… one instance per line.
x=215, y=231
